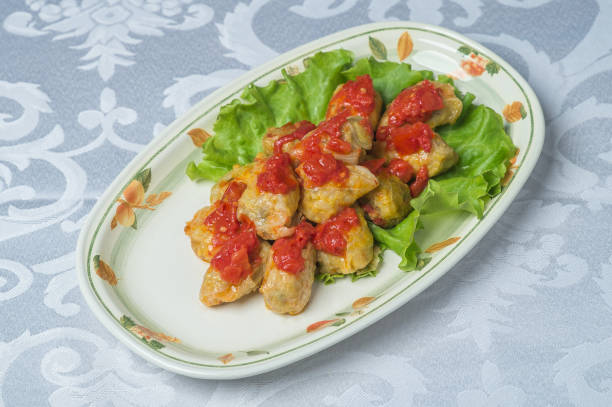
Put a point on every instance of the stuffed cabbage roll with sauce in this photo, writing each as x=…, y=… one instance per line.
x=344, y=243
x=389, y=203
x=429, y=102
x=340, y=136
x=403, y=131
x=237, y=268
x=283, y=139
x=359, y=98
x=289, y=272
x=419, y=146
x=213, y=225
x=329, y=186
x=347, y=131
x=361, y=105
x=271, y=197
x=452, y=106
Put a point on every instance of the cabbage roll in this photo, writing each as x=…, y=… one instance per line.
x=389, y=203
x=319, y=203
x=218, y=288
x=289, y=272
x=271, y=197
x=344, y=243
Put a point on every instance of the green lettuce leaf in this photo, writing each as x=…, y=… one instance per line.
x=371, y=270
x=389, y=78
x=400, y=239
x=242, y=123
x=483, y=146
x=457, y=193
x=484, y=151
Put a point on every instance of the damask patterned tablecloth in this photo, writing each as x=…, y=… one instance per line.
x=524, y=320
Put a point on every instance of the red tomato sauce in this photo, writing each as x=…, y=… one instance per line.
x=333, y=126
x=412, y=105
x=337, y=145
x=420, y=183
x=222, y=219
x=330, y=236
x=287, y=252
x=304, y=127
x=321, y=167
x=277, y=176
x=411, y=138
x=401, y=169
x=235, y=259
x=356, y=97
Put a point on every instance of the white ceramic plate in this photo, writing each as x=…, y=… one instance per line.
x=153, y=305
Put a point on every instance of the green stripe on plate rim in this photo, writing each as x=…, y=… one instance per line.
x=491, y=205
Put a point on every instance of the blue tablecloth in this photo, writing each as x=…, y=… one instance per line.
x=524, y=320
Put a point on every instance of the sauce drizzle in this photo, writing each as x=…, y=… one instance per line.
x=330, y=236
x=287, y=252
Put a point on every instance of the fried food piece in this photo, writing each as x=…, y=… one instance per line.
x=452, y=106
x=344, y=137
x=289, y=272
x=344, y=244
x=438, y=160
x=348, y=129
x=322, y=202
x=213, y=225
x=215, y=290
x=201, y=235
x=273, y=214
x=285, y=137
x=388, y=204
x=446, y=112
x=358, y=97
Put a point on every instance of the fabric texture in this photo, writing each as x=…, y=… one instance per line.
x=524, y=320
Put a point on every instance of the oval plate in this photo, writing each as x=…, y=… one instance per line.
x=142, y=282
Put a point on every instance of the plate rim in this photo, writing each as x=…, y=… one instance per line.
x=307, y=348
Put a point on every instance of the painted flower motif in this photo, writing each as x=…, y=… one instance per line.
x=441, y=245
x=134, y=198
x=104, y=271
x=256, y=352
x=511, y=169
x=198, y=136
x=359, y=305
x=228, y=357
x=404, y=46
x=362, y=302
x=514, y=112
x=472, y=68
x=476, y=64
x=377, y=47
x=151, y=338
x=225, y=359
x=323, y=324
x=147, y=334
x=356, y=309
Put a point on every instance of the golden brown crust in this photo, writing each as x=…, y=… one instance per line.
x=286, y=293
x=215, y=290
x=359, y=251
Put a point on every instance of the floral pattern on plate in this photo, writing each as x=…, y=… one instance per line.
x=134, y=198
